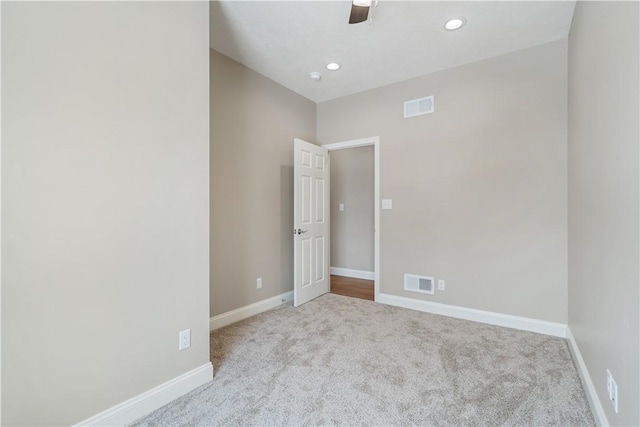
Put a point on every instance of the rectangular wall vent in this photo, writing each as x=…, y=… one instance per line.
x=416, y=283
x=417, y=107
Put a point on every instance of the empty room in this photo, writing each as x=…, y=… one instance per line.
x=320, y=213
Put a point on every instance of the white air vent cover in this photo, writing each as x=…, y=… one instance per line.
x=417, y=107
x=415, y=283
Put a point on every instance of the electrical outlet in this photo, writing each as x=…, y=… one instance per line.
x=259, y=283
x=612, y=391
x=614, y=394
x=441, y=284
x=184, y=340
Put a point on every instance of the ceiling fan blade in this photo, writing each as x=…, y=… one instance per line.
x=358, y=14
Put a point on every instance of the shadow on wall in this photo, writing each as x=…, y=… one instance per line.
x=286, y=225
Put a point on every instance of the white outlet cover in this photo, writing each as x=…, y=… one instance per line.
x=184, y=339
x=341, y=206
x=614, y=392
x=441, y=284
x=259, y=283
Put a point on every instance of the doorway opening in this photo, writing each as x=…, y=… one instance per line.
x=354, y=206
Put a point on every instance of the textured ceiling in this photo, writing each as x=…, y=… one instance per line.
x=286, y=40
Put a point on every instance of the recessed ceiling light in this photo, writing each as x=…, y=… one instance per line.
x=333, y=66
x=455, y=23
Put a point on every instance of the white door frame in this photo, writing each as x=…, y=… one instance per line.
x=375, y=141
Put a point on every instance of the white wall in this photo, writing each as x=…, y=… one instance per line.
x=479, y=186
x=105, y=203
x=604, y=280
x=352, y=230
x=253, y=123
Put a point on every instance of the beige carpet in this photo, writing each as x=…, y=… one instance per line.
x=345, y=361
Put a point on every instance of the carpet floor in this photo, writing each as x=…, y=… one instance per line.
x=345, y=361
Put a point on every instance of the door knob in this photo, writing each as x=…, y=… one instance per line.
x=300, y=231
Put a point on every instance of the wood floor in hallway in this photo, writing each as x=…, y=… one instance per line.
x=350, y=287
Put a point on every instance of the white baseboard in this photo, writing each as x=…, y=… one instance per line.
x=247, y=311
x=498, y=319
x=356, y=274
x=143, y=404
x=592, y=396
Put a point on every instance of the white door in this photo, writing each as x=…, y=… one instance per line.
x=310, y=221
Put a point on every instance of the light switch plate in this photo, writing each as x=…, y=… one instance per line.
x=387, y=204
x=341, y=206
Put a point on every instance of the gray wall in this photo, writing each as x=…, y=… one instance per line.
x=352, y=184
x=105, y=200
x=604, y=197
x=478, y=187
x=253, y=123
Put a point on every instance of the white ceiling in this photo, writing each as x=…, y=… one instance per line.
x=286, y=40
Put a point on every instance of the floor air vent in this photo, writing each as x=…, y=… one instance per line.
x=415, y=283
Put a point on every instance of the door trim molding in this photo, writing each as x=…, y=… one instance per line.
x=355, y=143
